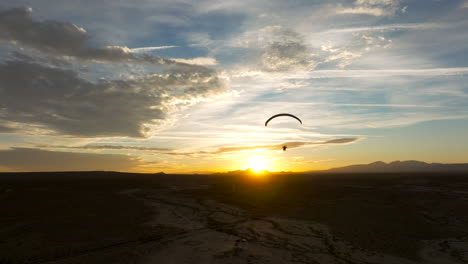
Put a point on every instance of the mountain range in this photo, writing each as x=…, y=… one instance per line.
x=403, y=166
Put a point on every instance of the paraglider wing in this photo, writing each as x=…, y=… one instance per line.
x=284, y=114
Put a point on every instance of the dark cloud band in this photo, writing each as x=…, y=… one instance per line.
x=27, y=159
x=62, y=101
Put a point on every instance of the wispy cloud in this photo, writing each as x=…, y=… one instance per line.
x=373, y=8
x=279, y=49
x=213, y=151
x=392, y=27
x=103, y=147
x=349, y=104
x=146, y=49
x=7, y=129
x=388, y=72
x=290, y=145
x=205, y=61
x=339, y=73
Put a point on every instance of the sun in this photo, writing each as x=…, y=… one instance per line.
x=258, y=164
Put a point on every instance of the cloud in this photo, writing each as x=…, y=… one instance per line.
x=146, y=49
x=27, y=159
x=201, y=39
x=6, y=129
x=17, y=25
x=102, y=147
x=63, y=39
x=62, y=101
x=290, y=145
x=40, y=89
x=280, y=49
x=214, y=151
x=205, y=61
x=293, y=144
x=374, y=11
x=172, y=20
x=391, y=27
x=337, y=141
x=373, y=8
x=360, y=44
x=286, y=55
x=388, y=72
x=343, y=58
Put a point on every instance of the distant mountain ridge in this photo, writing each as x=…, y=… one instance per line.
x=245, y=172
x=403, y=166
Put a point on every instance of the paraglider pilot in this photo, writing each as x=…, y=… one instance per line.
x=283, y=114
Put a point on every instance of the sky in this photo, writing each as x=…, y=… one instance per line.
x=186, y=86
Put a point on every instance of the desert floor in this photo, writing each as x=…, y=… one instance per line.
x=106, y=217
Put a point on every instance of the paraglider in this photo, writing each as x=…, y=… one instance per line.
x=283, y=114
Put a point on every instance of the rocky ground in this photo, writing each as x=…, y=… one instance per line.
x=207, y=219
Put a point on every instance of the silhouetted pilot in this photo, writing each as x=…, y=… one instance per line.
x=284, y=148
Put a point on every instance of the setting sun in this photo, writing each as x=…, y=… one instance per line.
x=257, y=164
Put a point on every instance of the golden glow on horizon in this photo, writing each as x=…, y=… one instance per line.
x=257, y=163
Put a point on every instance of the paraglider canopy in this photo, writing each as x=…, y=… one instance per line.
x=283, y=114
